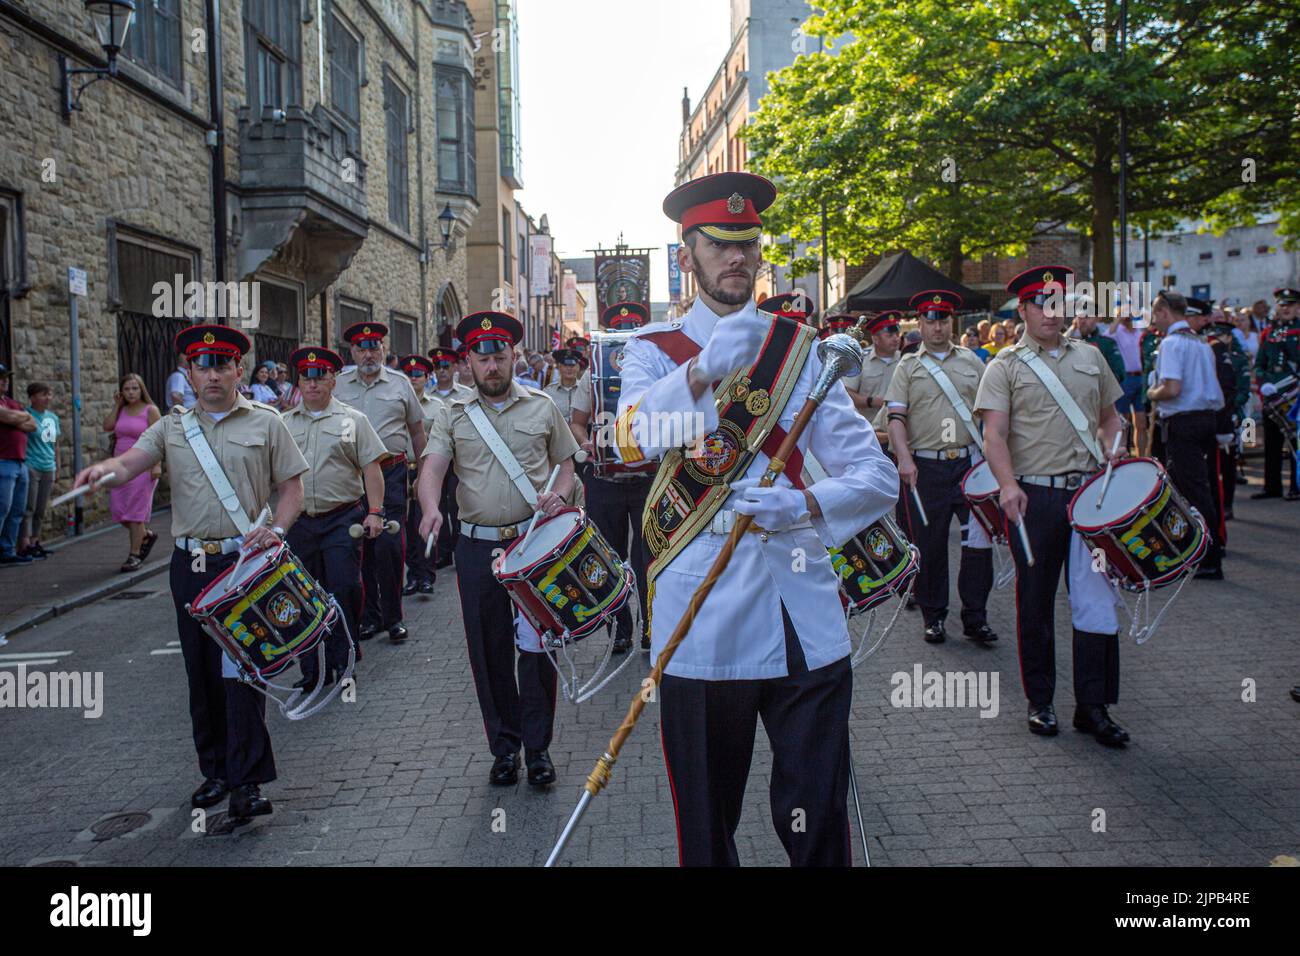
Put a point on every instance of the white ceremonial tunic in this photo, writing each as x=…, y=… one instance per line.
x=738, y=633
x=1191, y=361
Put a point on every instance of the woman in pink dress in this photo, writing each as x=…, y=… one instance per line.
x=131, y=505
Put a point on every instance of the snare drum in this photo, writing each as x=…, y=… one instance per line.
x=981, y=491
x=564, y=577
x=606, y=382
x=874, y=564
x=1148, y=532
x=268, y=615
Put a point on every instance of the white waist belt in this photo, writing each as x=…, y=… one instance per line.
x=208, y=545
x=488, y=532
x=724, y=521
x=945, y=454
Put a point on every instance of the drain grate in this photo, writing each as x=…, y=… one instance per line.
x=131, y=595
x=118, y=824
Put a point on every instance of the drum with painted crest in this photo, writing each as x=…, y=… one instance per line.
x=1150, y=536
x=980, y=489
x=564, y=577
x=606, y=383
x=874, y=564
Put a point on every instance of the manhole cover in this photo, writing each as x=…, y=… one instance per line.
x=56, y=863
x=118, y=824
x=130, y=595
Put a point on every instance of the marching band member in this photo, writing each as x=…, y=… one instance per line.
x=445, y=388
x=386, y=398
x=420, y=573
x=935, y=447
x=1278, y=358
x=868, y=387
x=792, y=305
x=771, y=641
x=343, y=486
x=484, y=435
x=1027, y=398
x=1188, y=398
x=566, y=394
x=249, y=450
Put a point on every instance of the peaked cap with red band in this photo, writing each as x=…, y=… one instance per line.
x=365, y=332
x=315, y=357
x=799, y=306
x=624, y=315
x=724, y=206
x=439, y=355
x=1030, y=283
x=935, y=302
x=885, y=320
x=840, y=322
x=487, y=332
x=410, y=364
x=578, y=340
x=197, y=341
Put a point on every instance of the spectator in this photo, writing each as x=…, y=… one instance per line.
x=392, y=362
x=1246, y=332
x=131, y=504
x=971, y=339
x=16, y=423
x=1260, y=313
x=289, y=394
x=179, y=390
x=263, y=386
x=998, y=339
x=42, y=468
x=985, y=328
x=1132, y=405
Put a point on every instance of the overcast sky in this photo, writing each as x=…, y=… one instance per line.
x=600, y=91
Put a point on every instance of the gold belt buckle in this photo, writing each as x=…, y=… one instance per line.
x=951, y=454
x=211, y=547
x=510, y=532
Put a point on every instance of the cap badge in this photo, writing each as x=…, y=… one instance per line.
x=366, y=330
x=485, y=324
x=311, y=356
x=623, y=311
x=1047, y=277
x=937, y=298
x=735, y=204
x=208, y=338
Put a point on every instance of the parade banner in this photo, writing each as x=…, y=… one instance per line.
x=540, y=248
x=622, y=277
x=674, y=274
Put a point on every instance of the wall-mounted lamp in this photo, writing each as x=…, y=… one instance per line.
x=112, y=19
x=446, y=219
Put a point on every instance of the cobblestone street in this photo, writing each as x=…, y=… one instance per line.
x=400, y=776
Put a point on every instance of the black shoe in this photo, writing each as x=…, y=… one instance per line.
x=397, y=633
x=210, y=793
x=1209, y=574
x=36, y=554
x=367, y=632
x=622, y=644
x=981, y=634
x=14, y=559
x=505, y=771
x=1265, y=494
x=247, y=801
x=910, y=605
x=541, y=772
x=1295, y=692
x=935, y=634
x=1042, y=720
x=426, y=587
x=411, y=588
x=1293, y=495
x=1094, y=720
x=645, y=642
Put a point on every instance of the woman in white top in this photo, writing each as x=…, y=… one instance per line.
x=1245, y=332
x=263, y=388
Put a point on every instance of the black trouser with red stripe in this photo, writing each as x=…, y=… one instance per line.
x=1192, y=457
x=333, y=557
x=938, y=481
x=615, y=508
x=381, y=565
x=708, y=738
x=517, y=697
x=228, y=717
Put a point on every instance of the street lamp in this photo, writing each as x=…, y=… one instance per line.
x=446, y=219
x=112, y=19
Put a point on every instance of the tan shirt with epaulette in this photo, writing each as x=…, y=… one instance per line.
x=569, y=400
x=389, y=402
x=932, y=422
x=1041, y=439
x=337, y=444
x=873, y=380
x=457, y=390
x=533, y=429
x=251, y=444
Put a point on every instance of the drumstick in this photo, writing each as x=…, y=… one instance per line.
x=550, y=483
x=1110, y=467
x=357, y=530
x=579, y=456
x=920, y=508
x=244, y=552
x=84, y=489
x=1024, y=543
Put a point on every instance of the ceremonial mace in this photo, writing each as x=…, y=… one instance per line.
x=841, y=355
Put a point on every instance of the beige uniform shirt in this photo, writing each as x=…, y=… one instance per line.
x=873, y=380
x=389, y=402
x=932, y=422
x=337, y=445
x=457, y=391
x=1041, y=439
x=252, y=446
x=534, y=431
x=570, y=400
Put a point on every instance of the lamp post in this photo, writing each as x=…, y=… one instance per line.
x=112, y=20
x=446, y=219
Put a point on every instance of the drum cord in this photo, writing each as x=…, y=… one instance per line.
x=1004, y=568
x=1142, y=610
x=580, y=694
x=859, y=655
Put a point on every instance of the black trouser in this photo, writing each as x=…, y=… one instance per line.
x=1096, y=656
x=228, y=716
x=333, y=557
x=1275, y=453
x=938, y=481
x=450, y=530
x=708, y=739
x=381, y=566
x=615, y=507
x=1228, y=475
x=517, y=698
x=419, y=569
x=1192, y=456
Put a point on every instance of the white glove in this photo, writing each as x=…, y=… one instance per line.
x=774, y=509
x=1268, y=390
x=735, y=343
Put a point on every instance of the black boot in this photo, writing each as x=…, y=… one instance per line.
x=246, y=800
x=211, y=792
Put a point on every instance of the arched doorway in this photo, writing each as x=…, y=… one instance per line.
x=446, y=315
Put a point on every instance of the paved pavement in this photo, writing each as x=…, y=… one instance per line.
x=399, y=776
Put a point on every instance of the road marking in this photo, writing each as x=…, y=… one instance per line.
x=35, y=662
x=26, y=656
x=164, y=650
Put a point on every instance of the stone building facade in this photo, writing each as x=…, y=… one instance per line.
x=346, y=131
